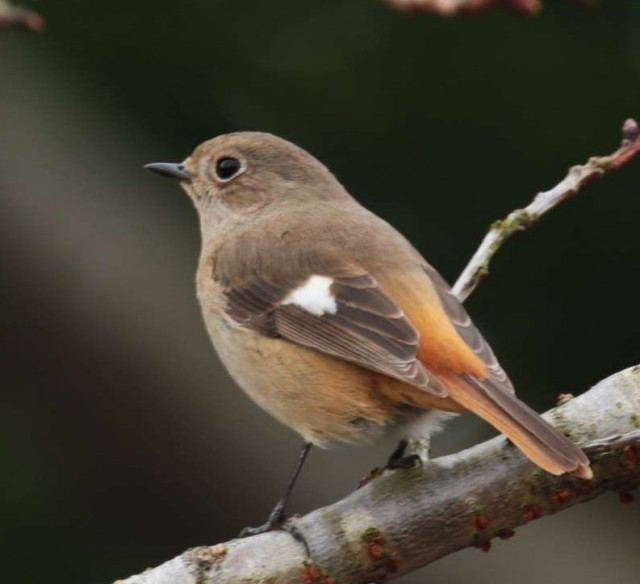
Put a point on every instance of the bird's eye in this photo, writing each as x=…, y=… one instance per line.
x=227, y=168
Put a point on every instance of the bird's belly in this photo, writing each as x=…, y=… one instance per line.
x=326, y=400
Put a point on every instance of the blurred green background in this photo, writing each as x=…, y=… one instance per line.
x=122, y=442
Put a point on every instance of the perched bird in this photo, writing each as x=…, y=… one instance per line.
x=329, y=319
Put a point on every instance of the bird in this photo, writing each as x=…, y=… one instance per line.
x=330, y=320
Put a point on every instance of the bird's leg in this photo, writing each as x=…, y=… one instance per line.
x=399, y=459
x=419, y=454
x=277, y=518
x=421, y=447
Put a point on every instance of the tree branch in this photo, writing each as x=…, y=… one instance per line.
x=17, y=17
x=457, y=501
x=521, y=219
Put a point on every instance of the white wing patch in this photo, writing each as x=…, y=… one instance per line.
x=314, y=296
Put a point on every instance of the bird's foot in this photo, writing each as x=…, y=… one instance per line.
x=404, y=462
x=399, y=459
x=276, y=520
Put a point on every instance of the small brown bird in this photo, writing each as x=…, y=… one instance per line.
x=329, y=319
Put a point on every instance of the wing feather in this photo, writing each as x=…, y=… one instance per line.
x=468, y=331
x=367, y=328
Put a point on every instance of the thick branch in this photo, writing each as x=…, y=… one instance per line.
x=407, y=519
x=17, y=17
x=521, y=219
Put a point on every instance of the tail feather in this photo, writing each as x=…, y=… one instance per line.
x=538, y=439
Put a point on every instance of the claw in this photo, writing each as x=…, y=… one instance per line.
x=276, y=520
x=399, y=460
x=404, y=462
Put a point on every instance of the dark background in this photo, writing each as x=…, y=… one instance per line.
x=122, y=442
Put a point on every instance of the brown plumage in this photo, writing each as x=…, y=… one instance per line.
x=327, y=317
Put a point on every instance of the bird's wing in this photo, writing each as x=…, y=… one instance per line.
x=468, y=331
x=341, y=311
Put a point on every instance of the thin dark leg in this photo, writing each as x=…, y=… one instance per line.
x=399, y=460
x=398, y=453
x=277, y=517
x=396, y=460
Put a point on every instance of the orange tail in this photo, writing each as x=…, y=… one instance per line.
x=538, y=439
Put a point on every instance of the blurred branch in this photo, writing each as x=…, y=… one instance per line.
x=456, y=7
x=407, y=519
x=17, y=17
x=521, y=219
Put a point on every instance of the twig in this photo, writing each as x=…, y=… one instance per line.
x=17, y=17
x=407, y=519
x=521, y=219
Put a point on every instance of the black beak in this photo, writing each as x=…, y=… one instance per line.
x=169, y=169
